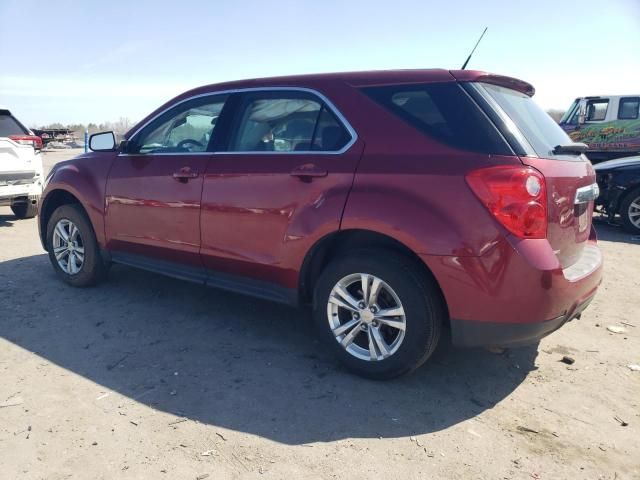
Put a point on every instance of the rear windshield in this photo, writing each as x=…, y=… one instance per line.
x=9, y=125
x=443, y=111
x=538, y=128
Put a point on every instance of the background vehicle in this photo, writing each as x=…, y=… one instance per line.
x=396, y=203
x=609, y=124
x=21, y=179
x=619, y=182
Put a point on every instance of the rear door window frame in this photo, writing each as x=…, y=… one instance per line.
x=245, y=96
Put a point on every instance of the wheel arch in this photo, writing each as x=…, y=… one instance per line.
x=336, y=243
x=54, y=199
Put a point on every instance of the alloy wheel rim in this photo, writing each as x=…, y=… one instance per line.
x=634, y=212
x=68, y=247
x=366, y=317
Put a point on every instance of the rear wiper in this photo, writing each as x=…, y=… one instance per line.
x=570, y=148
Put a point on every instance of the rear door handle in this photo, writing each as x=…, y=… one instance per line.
x=308, y=171
x=184, y=175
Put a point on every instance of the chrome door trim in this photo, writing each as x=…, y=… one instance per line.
x=311, y=91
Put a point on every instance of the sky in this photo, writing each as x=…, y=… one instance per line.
x=88, y=61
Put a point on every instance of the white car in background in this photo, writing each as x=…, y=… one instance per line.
x=21, y=175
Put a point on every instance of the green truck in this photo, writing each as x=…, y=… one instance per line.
x=609, y=124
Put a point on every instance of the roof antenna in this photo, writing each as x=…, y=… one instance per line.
x=474, y=49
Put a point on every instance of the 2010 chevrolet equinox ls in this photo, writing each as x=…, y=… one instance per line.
x=397, y=203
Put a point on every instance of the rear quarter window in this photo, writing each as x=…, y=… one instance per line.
x=9, y=125
x=442, y=111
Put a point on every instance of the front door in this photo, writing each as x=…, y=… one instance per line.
x=154, y=188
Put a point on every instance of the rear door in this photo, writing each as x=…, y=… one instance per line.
x=570, y=179
x=154, y=189
x=283, y=179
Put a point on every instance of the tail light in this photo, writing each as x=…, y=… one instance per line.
x=32, y=140
x=515, y=196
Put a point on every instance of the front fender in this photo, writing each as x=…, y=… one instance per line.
x=84, y=178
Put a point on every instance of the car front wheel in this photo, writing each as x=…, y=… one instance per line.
x=73, y=248
x=380, y=314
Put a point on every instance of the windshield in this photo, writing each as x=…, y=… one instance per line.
x=538, y=128
x=567, y=115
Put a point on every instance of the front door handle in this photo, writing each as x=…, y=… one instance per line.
x=184, y=175
x=308, y=171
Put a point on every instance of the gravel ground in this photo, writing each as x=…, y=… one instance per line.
x=150, y=377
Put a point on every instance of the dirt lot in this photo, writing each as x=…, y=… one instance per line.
x=150, y=377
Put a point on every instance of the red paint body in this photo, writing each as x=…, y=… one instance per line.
x=246, y=215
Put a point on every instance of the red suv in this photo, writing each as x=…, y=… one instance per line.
x=396, y=203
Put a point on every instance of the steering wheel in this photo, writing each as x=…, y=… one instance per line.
x=188, y=141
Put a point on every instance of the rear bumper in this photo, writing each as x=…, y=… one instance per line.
x=19, y=187
x=15, y=194
x=469, y=333
x=516, y=293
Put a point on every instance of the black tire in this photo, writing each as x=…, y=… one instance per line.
x=632, y=197
x=420, y=297
x=93, y=269
x=25, y=210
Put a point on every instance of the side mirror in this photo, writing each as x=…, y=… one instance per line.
x=102, y=142
x=582, y=113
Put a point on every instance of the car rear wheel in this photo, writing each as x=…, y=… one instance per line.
x=630, y=211
x=25, y=210
x=379, y=313
x=73, y=248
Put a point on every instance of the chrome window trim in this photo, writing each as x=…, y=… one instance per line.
x=341, y=118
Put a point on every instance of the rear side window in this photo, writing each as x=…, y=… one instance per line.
x=287, y=122
x=9, y=125
x=443, y=111
x=597, y=110
x=628, y=109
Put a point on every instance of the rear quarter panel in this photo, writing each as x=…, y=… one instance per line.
x=412, y=188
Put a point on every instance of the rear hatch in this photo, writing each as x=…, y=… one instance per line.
x=15, y=157
x=533, y=135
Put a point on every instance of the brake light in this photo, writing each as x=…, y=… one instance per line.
x=515, y=196
x=33, y=140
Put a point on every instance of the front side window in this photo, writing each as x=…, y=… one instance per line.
x=628, y=109
x=287, y=122
x=187, y=128
x=597, y=110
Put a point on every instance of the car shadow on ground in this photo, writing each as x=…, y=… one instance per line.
x=613, y=232
x=236, y=362
x=7, y=220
